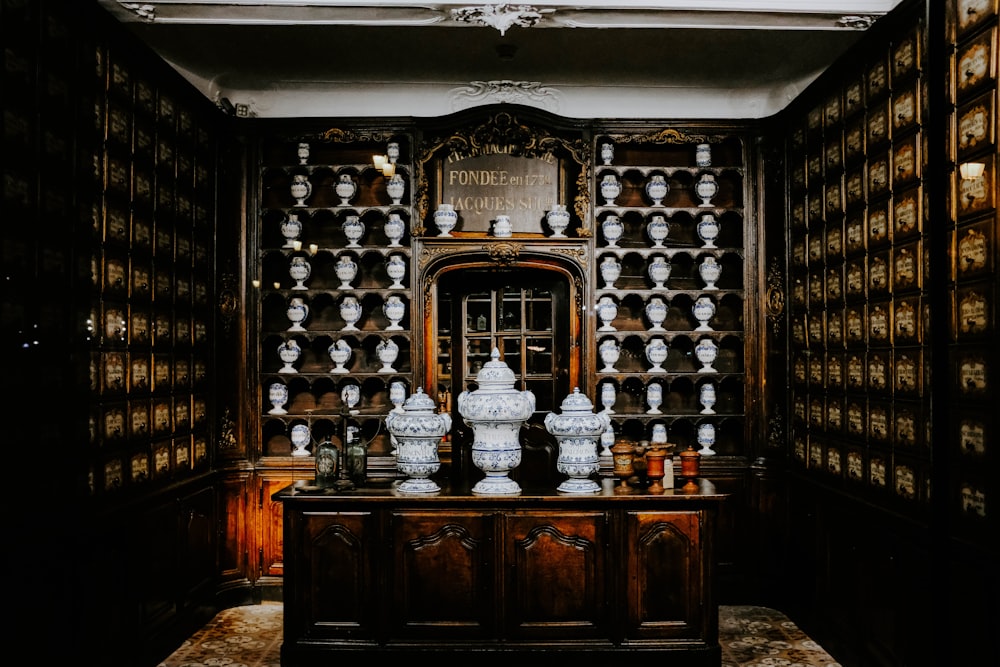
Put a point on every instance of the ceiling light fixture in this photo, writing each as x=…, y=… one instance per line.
x=970, y=171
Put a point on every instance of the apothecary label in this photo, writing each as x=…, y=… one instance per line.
x=974, y=65
x=904, y=159
x=972, y=252
x=878, y=323
x=876, y=78
x=855, y=465
x=972, y=375
x=904, y=57
x=162, y=459
x=973, y=500
x=972, y=436
x=854, y=140
x=906, y=373
x=834, y=416
x=140, y=467
x=974, y=193
x=855, y=187
x=904, y=109
x=834, y=373
x=877, y=372
x=878, y=225
x=905, y=268
x=833, y=197
x=815, y=247
x=876, y=471
x=833, y=460
x=877, y=126
x=816, y=370
x=799, y=369
x=799, y=252
x=855, y=233
x=835, y=326
x=855, y=326
x=971, y=12
x=834, y=241
x=973, y=127
x=816, y=412
x=906, y=484
x=855, y=419
x=878, y=176
x=855, y=372
x=800, y=408
x=878, y=274
x=816, y=328
x=905, y=320
x=833, y=284
x=972, y=312
x=878, y=423
x=816, y=287
x=906, y=428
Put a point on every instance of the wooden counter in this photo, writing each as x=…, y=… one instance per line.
x=492, y=576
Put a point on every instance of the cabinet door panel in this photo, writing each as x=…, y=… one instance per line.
x=340, y=561
x=664, y=555
x=555, y=579
x=443, y=574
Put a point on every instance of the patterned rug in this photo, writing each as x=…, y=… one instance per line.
x=251, y=637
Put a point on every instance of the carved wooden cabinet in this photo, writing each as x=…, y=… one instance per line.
x=372, y=570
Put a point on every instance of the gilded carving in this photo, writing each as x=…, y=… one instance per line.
x=503, y=253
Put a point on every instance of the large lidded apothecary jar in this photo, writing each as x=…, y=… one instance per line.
x=496, y=411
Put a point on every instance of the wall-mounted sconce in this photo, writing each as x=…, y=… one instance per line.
x=970, y=171
x=255, y=283
x=297, y=245
x=313, y=248
x=277, y=285
x=383, y=164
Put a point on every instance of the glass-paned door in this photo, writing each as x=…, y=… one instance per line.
x=523, y=315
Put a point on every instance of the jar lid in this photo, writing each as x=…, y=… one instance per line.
x=576, y=402
x=419, y=402
x=495, y=372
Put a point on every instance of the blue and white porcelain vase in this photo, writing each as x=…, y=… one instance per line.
x=394, y=230
x=303, y=152
x=558, y=220
x=656, y=312
x=707, y=396
x=354, y=230
x=395, y=187
x=346, y=270
x=609, y=352
x=340, y=353
x=654, y=398
x=445, y=219
x=301, y=437
x=301, y=188
x=387, y=352
x=706, y=188
x=502, y=228
x=345, y=188
x=607, y=311
x=706, y=438
x=703, y=311
x=395, y=268
x=608, y=397
x=289, y=352
x=710, y=270
x=611, y=269
x=706, y=352
x=610, y=189
x=577, y=430
x=291, y=229
x=397, y=394
x=277, y=395
x=297, y=313
x=656, y=354
x=496, y=411
x=418, y=431
x=657, y=189
x=607, y=153
x=703, y=155
x=350, y=312
x=657, y=230
x=659, y=271
x=350, y=395
x=300, y=270
x=395, y=310
x=612, y=229
x=708, y=230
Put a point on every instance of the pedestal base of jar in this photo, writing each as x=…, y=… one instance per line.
x=418, y=486
x=496, y=485
x=579, y=486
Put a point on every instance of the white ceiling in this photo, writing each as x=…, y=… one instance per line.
x=665, y=59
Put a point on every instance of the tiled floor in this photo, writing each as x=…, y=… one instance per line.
x=251, y=637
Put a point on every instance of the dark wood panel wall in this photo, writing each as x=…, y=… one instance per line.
x=892, y=287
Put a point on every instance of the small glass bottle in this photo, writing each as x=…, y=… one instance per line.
x=327, y=457
x=357, y=457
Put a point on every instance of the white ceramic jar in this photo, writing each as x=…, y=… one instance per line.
x=654, y=398
x=710, y=270
x=345, y=188
x=657, y=189
x=387, y=352
x=708, y=230
x=339, y=353
x=301, y=188
x=445, y=219
x=706, y=352
x=610, y=352
x=706, y=188
x=350, y=312
x=607, y=311
x=611, y=269
x=418, y=430
x=277, y=395
x=354, y=230
x=395, y=268
x=657, y=230
x=297, y=313
x=610, y=189
x=395, y=310
x=703, y=311
x=656, y=312
x=346, y=269
x=558, y=220
x=289, y=352
x=395, y=187
x=577, y=430
x=291, y=229
x=394, y=229
x=502, y=227
x=659, y=271
x=656, y=354
x=300, y=270
x=612, y=229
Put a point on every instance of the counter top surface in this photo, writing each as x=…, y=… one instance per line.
x=308, y=491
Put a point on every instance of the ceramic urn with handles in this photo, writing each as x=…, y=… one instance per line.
x=577, y=429
x=417, y=430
